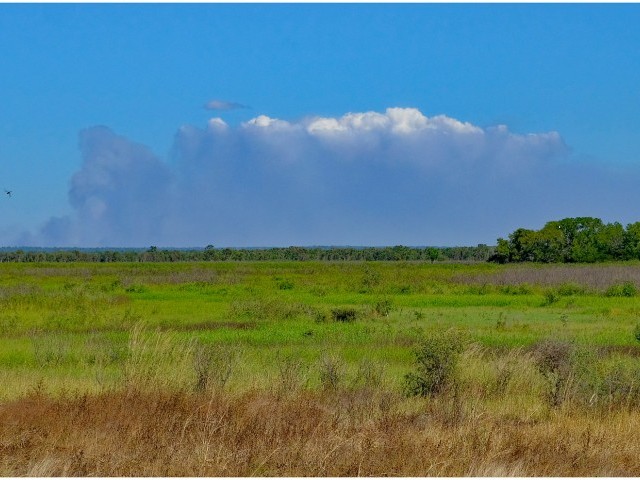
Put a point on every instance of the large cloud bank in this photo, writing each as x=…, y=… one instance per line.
x=397, y=177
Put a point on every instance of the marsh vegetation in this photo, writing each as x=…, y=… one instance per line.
x=319, y=368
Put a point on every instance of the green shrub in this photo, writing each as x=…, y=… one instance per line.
x=636, y=332
x=626, y=289
x=383, y=307
x=436, y=358
x=285, y=285
x=318, y=315
x=550, y=297
x=522, y=289
x=345, y=315
x=568, y=289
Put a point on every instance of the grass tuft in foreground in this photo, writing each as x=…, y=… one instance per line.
x=331, y=433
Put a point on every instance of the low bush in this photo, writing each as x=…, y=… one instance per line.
x=345, y=315
x=550, y=297
x=553, y=360
x=626, y=289
x=285, y=285
x=435, y=362
x=383, y=307
x=568, y=289
x=636, y=332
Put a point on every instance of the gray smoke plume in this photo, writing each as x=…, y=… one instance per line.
x=389, y=178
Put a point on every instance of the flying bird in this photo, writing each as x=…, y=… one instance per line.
x=8, y=192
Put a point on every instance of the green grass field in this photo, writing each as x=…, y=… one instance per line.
x=319, y=369
x=87, y=327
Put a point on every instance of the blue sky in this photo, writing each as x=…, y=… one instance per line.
x=145, y=73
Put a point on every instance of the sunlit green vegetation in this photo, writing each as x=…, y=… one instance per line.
x=76, y=326
x=319, y=368
x=571, y=240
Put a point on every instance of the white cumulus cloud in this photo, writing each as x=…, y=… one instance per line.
x=363, y=178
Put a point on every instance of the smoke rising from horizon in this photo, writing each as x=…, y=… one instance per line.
x=370, y=178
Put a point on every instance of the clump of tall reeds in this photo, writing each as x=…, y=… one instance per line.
x=157, y=360
x=213, y=364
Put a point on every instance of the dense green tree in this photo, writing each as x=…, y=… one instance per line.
x=585, y=245
x=549, y=243
x=579, y=239
x=610, y=241
x=433, y=254
x=632, y=240
x=502, y=252
x=522, y=245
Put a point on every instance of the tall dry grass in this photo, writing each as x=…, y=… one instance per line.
x=342, y=433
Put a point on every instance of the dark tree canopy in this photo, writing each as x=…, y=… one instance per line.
x=479, y=253
x=571, y=240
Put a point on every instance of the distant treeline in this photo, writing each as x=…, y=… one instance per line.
x=479, y=253
x=571, y=240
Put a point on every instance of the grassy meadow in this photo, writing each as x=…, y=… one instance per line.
x=302, y=368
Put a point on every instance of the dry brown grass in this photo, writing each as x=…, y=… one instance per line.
x=127, y=433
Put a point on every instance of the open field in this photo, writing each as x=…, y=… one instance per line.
x=300, y=368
